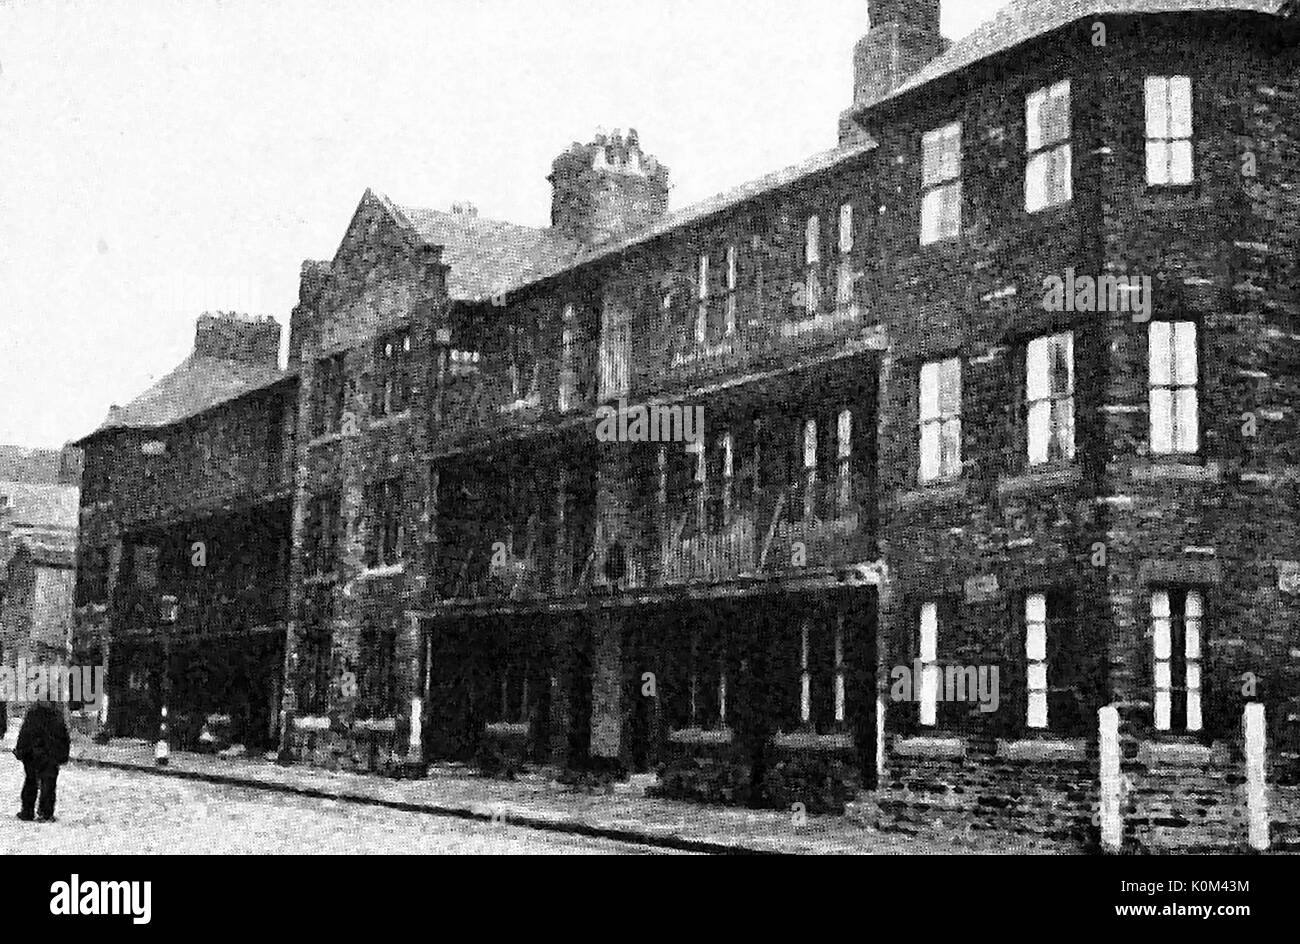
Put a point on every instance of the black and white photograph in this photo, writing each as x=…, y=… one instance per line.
x=653, y=427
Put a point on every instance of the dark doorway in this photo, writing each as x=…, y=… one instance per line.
x=580, y=695
x=450, y=728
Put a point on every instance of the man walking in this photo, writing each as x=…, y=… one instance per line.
x=42, y=747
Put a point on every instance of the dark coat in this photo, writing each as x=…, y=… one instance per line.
x=4, y=720
x=43, y=739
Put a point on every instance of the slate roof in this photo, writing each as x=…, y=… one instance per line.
x=19, y=464
x=488, y=256
x=1023, y=20
x=42, y=506
x=198, y=384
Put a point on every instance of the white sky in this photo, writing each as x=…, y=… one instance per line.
x=158, y=159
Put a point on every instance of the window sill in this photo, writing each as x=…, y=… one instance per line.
x=819, y=322
x=1174, y=753
x=375, y=725
x=1043, y=749
x=1173, y=196
x=311, y=722
x=1052, y=476
x=704, y=352
x=700, y=736
x=518, y=406
x=945, y=245
x=386, y=570
x=1049, y=214
x=1166, y=468
x=316, y=580
x=511, y=729
x=929, y=746
x=390, y=419
x=811, y=741
x=940, y=492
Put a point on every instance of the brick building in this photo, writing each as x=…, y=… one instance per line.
x=1006, y=380
x=38, y=539
x=183, y=559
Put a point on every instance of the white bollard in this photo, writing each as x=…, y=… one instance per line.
x=162, y=750
x=1256, y=790
x=880, y=741
x=1109, y=796
x=413, y=744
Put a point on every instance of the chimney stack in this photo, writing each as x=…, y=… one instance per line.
x=606, y=188
x=903, y=36
x=233, y=337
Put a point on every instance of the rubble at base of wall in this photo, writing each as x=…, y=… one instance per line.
x=364, y=749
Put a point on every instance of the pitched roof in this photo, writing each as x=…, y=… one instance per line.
x=491, y=256
x=816, y=164
x=42, y=506
x=1023, y=20
x=198, y=384
x=19, y=464
x=487, y=256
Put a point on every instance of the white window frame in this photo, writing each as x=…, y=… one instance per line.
x=1162, y=654
x=844, y=463
x=702, y=301
x=928, y=656
x=568, y=381
x=1173, y=381
x=725, y=444
x=732, y=282
x=941, y=158
x=615, y=351
x=840, y=682
x=1049, y=166
x=1170, y=153
x=1049, y=412
x=809, y=468
x=812, y=261
x=845, y=303
x=1037, y=626
x=805, y=672
x=939, y=420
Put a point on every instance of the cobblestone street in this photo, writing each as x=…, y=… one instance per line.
x=120, y=812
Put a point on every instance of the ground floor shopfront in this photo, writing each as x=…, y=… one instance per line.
x=228, y=686
x=704, y=687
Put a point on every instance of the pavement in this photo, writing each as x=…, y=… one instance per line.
x=128, y=812
x=620, y=819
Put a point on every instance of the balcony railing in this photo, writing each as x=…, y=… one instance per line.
x=146, y=609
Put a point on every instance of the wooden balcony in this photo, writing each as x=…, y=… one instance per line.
x=767, y=544
x=184, y=612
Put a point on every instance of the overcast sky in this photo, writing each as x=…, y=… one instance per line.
x=159, y=159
